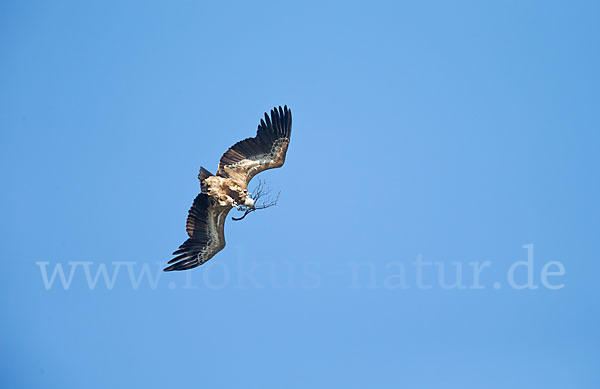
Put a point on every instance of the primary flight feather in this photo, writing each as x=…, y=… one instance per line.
x=228, y=188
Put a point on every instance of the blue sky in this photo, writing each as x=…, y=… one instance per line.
x=453, y=132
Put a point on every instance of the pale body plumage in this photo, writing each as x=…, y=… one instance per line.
x=228, y=192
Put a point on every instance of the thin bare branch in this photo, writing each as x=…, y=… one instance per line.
x=262, y=200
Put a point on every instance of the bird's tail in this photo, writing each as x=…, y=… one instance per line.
x=202, y=175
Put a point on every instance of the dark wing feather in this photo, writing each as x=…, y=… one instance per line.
x=205, y=227
x=265, y=151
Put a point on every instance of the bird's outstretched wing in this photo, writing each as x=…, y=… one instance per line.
x=265, y=151
x=205, y=227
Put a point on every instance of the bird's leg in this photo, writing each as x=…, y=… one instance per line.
x=234, y=204
x=231, y=201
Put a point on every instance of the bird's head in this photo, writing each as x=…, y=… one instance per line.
x=249, y=202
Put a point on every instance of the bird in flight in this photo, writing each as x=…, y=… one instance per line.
x=228, y=189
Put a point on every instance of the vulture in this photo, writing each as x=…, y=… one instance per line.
x=228, y=189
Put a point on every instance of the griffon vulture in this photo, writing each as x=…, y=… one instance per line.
x=228, y=188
